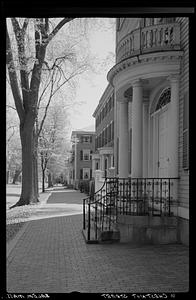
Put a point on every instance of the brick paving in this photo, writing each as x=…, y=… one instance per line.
x=51, y=256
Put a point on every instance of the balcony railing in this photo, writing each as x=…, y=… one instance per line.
x=162, y=37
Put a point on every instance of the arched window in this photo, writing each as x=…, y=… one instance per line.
x=164, y=99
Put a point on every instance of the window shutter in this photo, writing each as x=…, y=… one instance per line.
x=106, y=135
x=185, y=162
x=81, y=155
x=81, y=173
x=90, y=173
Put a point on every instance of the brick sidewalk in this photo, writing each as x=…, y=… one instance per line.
x=51, y=256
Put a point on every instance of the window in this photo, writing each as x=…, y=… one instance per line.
x=99, y=141
x=185, y=162
x=86, y=173
x=102, y=138
x=97, y=166
x=81, y=155
x=86, y=154
x=85, y=139
x=81, y=173
x=164, y=99
x=109, y=132
x=106, y=135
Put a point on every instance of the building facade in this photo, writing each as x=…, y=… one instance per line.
x=80, y=162
x=150, y=82
x=103, y=158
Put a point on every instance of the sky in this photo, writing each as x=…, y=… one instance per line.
x=89, y=92
x=90, y=86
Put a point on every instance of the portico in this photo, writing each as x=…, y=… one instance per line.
x=154, y=147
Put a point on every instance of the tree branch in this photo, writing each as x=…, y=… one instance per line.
x=25, y=24
x=46, y=109
x=10, y=106
x=13, y=78
x=56, y=29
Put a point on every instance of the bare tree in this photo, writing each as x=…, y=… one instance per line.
x=25, y=88
x=52, y=139
x=36, y=76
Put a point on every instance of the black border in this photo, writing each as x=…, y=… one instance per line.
x=116, y=9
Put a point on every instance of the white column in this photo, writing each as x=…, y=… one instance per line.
x=173, y=128
x=137, y=114
x=123, y=139
x=145, y=139
x=102, y=162
x=116, y=125
x=93, y=167
x=130, y=127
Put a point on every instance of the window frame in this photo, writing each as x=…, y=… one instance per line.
x=86, y=152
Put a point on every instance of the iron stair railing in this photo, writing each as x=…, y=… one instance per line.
x=126, y=196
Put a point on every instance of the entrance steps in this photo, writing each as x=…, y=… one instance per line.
x=147, y=229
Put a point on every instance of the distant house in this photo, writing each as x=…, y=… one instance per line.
x=80, y=162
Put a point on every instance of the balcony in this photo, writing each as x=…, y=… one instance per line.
x=156, y=38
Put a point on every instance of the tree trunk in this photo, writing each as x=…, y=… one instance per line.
x=16, y=175
x=28, y=195
x=43, y=180
x=50, y=184
x=35, y=162
x=7, y=176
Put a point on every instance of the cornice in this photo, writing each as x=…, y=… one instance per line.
x=151, y=58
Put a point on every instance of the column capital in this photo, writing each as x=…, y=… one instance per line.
x=173, y=78
x=136, y=83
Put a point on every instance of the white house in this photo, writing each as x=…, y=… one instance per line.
x=151, y=131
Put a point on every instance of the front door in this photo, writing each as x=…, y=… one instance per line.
x=163, y=161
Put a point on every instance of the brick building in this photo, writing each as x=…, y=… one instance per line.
x=80, y=162
x=103, y=159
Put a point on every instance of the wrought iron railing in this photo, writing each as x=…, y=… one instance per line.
x=160, y=37
x=127, y=196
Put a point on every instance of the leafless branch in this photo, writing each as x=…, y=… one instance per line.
x=10, y=106
x=56, y=29
x=25, y=24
